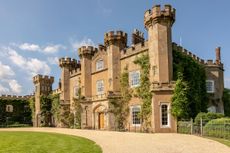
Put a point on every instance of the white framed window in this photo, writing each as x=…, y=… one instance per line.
x=99, y=64
x=9, y=108
x=210, y=86
x=100, y=87
x=135, y=118
x=75, y=91
x=134, y=78
x=164, y=115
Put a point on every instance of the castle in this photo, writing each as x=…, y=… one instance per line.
x=99, y=69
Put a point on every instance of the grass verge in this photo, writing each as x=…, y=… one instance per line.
x=36, y=142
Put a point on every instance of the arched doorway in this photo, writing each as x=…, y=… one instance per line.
x=100, y=117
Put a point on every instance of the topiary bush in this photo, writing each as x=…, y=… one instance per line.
x=218, y=128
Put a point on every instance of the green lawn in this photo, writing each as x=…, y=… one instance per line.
x=223, y=141
x=35, y=142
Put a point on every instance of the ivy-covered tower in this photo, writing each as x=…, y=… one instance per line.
x=43, y=86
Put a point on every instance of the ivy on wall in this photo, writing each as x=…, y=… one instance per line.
x=143, y=91
x=46, y=106
x=76, y=116
x=55, y=108
x=21, y=112
x=119, y=106
x=188, y=71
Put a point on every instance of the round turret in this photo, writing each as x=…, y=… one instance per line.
x=86, y=51
x=115, y=38
x=156, y=15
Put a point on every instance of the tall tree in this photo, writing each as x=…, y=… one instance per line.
x=226, y=101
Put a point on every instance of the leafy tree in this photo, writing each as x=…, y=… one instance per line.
x=180, y=101
x=143, y=91
x=119, y=106
x=226, y=101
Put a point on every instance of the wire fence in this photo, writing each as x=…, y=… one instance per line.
x=205, y=128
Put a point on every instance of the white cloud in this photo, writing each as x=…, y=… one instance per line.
x=84, y=42
x=29, y=47
x=32, y=66
x=35, y=66
x=53, y=49
x=53, y=60
x=15, y=86
x=3, y=90
x=5, y=71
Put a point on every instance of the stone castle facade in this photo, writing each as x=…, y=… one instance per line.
x=99, y=69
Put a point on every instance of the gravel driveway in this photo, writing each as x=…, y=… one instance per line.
x=122, y=142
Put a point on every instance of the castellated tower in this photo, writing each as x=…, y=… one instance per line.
x=85, y=54
x=158, y=23
x=43, y=86
x=114, y=41
x=66, y=64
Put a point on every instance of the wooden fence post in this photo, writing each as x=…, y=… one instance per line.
x=201, y=127
x=191, y=121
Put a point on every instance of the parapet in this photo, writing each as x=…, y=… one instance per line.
x=67, y=62
x=75, y=72
x=87, y=51
x=137, y=37
x=14, y=97
x=40, y=78
x=156, y=15
x=113, y=37
x=134, y=49
x=186, y=52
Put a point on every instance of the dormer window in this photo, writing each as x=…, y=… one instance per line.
x=99, y=65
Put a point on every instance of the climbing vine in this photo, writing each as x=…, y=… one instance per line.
x=143, y=91
x=119, y=106
x=46, y=106
x=195, y=78
x=55, y=110
x=32, y=107
x=77, y=109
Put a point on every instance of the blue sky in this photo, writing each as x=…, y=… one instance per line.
x=35, y=33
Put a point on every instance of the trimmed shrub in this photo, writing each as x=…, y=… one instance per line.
x=218, y=128
x=206, y=117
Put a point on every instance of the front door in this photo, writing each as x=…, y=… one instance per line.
x=101, y=120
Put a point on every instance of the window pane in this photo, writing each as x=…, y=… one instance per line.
x=100, y=87
x=135, y=115
x=164, y=114
x=134, y=78
x=210, y=86
x=99, y=64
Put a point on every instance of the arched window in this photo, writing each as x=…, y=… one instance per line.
x=99, y=64
x=9, y=108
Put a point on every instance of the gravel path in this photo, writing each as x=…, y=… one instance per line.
x=122, y=142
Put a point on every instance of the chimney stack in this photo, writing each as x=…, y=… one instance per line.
x=218, y=58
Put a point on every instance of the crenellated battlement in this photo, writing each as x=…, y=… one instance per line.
x=75, y=72
x=157, y=14
x=188, y=53
x=40, y=78
x=113, y=37
x=87, y=50
x=137, y=37
x=134, y=49
x=14, y=97
x=67, y=62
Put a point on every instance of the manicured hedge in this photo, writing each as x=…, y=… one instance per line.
x=218, y=128
x=206, y=117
